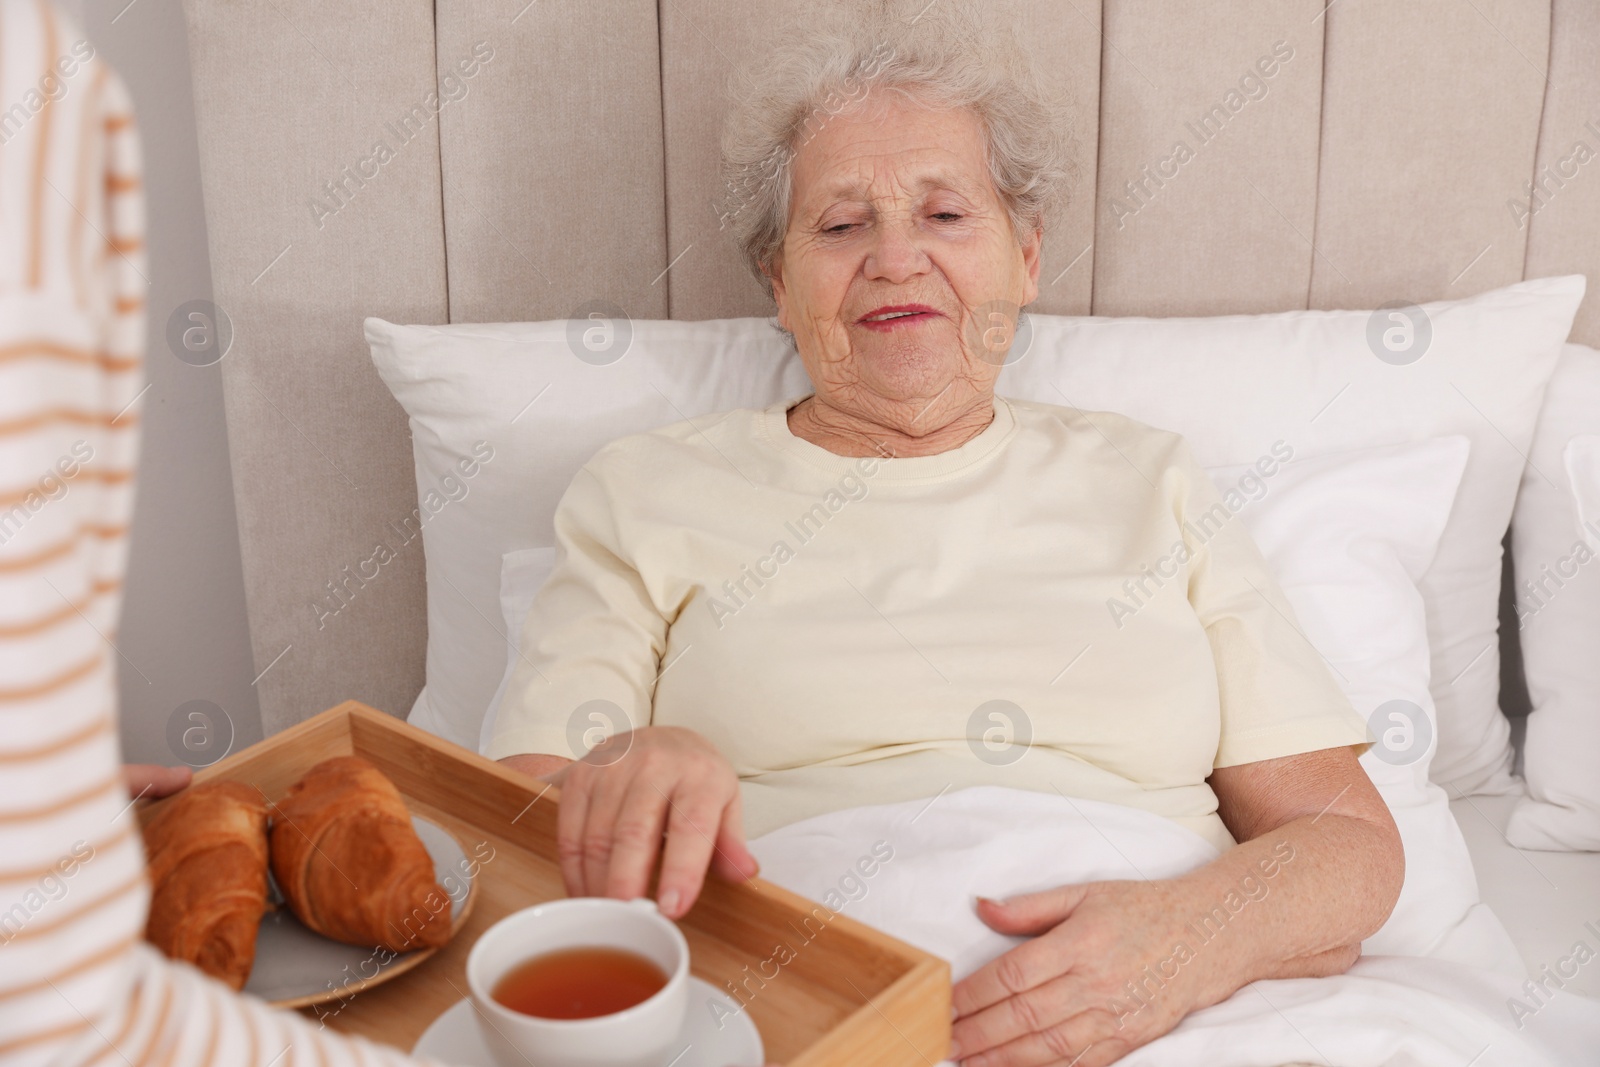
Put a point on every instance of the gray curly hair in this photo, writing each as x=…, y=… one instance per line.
x=950, y=54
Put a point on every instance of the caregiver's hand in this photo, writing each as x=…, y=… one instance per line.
x=153, y=780
x=618, y=800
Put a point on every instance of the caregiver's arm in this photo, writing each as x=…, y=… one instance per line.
x=79, y=987
x=1115, y=965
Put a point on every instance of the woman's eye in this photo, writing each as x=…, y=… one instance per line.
x=838, y=227
x=947, y=216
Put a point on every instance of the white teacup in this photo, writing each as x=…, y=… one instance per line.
x=640, y=1036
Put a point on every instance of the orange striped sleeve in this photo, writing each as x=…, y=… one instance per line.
x=83, y=190
x=64, y=416
x=133, y=1011
x=100, y=956
x=38, y=872
x=43, y=120
x=46, y=349
x=93, y=728
x=52, y=1035
x=52, y=552
x=31, y=689
x=38, y=810
x=28, y=494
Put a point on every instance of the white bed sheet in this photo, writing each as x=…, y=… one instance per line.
x=1548, y=901
x=912, y=869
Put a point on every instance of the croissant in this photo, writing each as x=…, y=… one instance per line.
x=349, y=863
x=208, y=873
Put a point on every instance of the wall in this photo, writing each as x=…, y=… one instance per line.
x=184, y=635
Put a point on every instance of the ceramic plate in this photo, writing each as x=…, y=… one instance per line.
x=295, y=968
x=454, y=1036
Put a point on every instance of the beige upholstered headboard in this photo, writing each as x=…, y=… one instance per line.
x=1388, y=156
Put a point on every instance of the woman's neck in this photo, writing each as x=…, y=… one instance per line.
x=847, y=433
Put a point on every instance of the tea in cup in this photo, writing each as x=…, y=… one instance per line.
x=584, y=982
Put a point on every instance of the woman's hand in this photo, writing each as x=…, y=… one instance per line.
x=618, y=800
x=1100, y=977
x=1114, y=965
x=1068, y=995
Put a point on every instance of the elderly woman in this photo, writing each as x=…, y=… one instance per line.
x=792, y=623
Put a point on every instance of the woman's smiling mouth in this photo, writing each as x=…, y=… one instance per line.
x=887, y=318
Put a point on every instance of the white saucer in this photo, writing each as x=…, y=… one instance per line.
x=454, y=1037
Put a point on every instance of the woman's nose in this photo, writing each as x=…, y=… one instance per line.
x=895, y=254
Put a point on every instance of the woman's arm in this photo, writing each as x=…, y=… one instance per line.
x=1114, y=965
x=1327, y=809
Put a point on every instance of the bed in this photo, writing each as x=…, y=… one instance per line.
x=1367, y=170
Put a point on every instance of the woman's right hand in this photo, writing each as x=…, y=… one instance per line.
x=617, y=801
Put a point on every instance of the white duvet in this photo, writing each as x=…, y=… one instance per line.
x=927, y=860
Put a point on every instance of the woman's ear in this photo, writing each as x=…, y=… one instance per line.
x=780, y=294
x=1032, y=257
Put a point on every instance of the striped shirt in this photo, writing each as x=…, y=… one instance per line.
x=77, y=984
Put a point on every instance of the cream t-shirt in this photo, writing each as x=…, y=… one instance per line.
x=1063, y=603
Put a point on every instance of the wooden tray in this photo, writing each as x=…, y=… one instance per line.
x=823, y=989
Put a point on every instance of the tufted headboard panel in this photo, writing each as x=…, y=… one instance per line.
x=1394, y=152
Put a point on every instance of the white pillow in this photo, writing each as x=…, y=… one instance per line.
x=1234, y=384
x=522, y=575
x=545, y=398
x=1555, y=546
x=1582, y=462
x=1347, y=537
x=1231, y=385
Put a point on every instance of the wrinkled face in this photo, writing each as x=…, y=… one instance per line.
x=892, y=208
